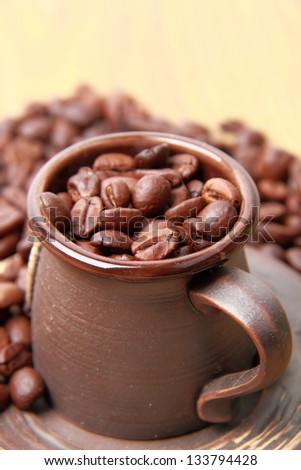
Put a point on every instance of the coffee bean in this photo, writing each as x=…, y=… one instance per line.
x=172, y=176
x=218, y=188
x=294, y=222
x=188, y=208
x=123, y=257
x=276, y=232
x=10, y=351
x=4, y=396
x=115, y=193
x=8, y=244
x=293, y=203
x=195, y=187
x=178, y=195
x=25, y=387
x=151, y=194
x=156, y=241
x=37, y=127
x=84, y=184
x=18, y=329
x=114, y=161
x=10, y=217
x=185, y=164
x=115, y=241
x=67, y=199
x=10, y=294
x=24, y=359
x=9, y=267
x=154, y=157
x=54, y=208
x=63, y=132
x=85, y=216
x=272, y=190
x=4, y=340
x=217, y=218
x=16, y=197
x=276, y=210
x=125, y=219
x=86, y=245
x=293, y=257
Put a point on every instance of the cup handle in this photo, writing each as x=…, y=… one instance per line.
x=249, y=302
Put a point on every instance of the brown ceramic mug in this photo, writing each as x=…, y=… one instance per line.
x=152, y=349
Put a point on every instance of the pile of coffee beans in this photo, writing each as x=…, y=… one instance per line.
x=28, y=141
x=148, y=206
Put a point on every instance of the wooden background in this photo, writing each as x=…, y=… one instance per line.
x=184, y=59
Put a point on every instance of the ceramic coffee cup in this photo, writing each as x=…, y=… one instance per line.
x=151, y=349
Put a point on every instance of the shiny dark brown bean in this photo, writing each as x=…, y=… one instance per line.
x=10, y=218
x=113, y=240
x=185, y=164
x=274, y=164
x=9, y=267
x=125, y=219
x=276, y=210
x=36, y=127
x=84, y=184
x=293, y=203
x=217, y=218
x=115, y=193
x=85, y=216
x=8, y=244
x=154, y=157
x=172, y=176
x=114, y=161
x=10, y=294
x=178, y=195
x=195, y=187
x=188, y=208
x=272, y=190
x=24, y=359
x=157, y=240
x=4, y=339
x=293, y=257
x=218, y=188
x=19, y=330
x=151, y=194
x=4, y=396
x=25, y=387
x=54, y=208
x=10, y=351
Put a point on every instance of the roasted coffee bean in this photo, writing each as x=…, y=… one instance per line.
x=9, y=267
x=16, y=197
x=151, y=194
x=183, y=251
x=123, y=257
x=85, y=216
x=10, y=351
x=114, y=161
x=156, y=241
x=115, y=193
x=10, y=217
x=8, y=244
x=275, y=210
x=217, y=218
x=18, y=329
x=24, y=359
x=63, y=133
x=84, y=184
x=4, y=340
x=188, y=208
x=4, y=396
x=185, y=164
x=86, y=245
x=218, y=188
x=293, y=203
x=293, y=257
x=25, y=387
x=276, y=232
x=125, y=219
x=115, y=241
x=272, y=190
x=178, y=195
x=54, y=208
x=10, y=294
x=172, y=176
x=294, y=222
x=36, y=127
x=195, y=187
x=67, y=199
x=274, y=164
x=154, y=157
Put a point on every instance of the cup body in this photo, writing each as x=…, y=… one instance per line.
x=121, y=348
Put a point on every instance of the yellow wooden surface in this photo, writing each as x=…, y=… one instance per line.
x=198, y=59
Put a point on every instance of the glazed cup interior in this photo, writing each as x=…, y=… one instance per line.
x=215, y=163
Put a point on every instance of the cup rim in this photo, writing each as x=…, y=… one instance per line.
x=214, y=255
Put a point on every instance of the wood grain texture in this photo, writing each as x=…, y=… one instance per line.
x=192, y=59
